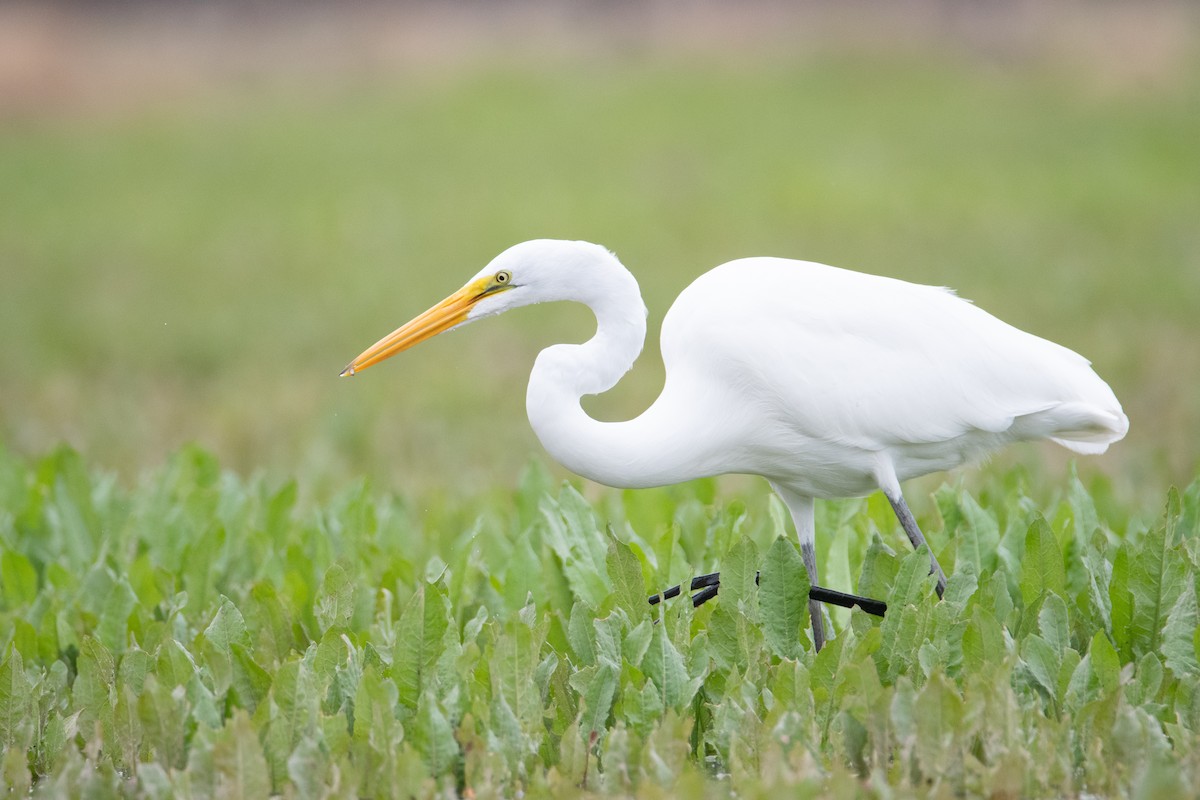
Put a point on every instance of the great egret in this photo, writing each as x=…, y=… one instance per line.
x=826, y=382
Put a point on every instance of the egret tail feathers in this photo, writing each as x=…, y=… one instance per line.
x=1080, y=427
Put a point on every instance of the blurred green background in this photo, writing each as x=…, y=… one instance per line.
x=206, y=212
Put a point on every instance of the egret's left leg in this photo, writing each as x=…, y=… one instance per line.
x=885, y=475
x=909, y=523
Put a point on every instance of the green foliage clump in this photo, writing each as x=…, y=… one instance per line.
x=200, y=635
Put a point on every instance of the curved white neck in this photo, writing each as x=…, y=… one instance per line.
x=642, y=452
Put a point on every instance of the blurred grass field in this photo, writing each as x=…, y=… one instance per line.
x=199, y=268
x=364, y=586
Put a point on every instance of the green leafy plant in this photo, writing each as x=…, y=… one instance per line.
x=202, y=635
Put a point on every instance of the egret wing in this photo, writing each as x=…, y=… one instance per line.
x=866, y=361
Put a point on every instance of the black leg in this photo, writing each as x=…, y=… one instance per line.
x=915, y=536
x=809, y=554
x=710, y=583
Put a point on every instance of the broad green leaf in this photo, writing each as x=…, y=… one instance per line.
x=1053, y=623
x=783, y=599
x=1099, y=576
x=1081, y=686
x=1121, y=601
x=52, y=750
x=572, y=532
x=545, y=671
x=513, y=668
x=25, y=639
x=1179, y=634
x=946, y=500
x=18, y=579
x=335, y=600
x=201, y=557
x=937, y=715
x=16, y=704
x=609, y=635
x=1188, y=525
x=995, y=596
x=251, y=681
x=1157, y=576
x=163, y=717
x=1105, y=663
x=1148, y=679
x=738, y=570
x=581, y=633
x=127, y=727
x=333, y=651
x=1042, y=567
x=48, y=646
x=1043, y=662
x=238, y=761
x=904, y=631
x=823, y=676
x=733, y=638
x=914, y=583
x=14, y=772
x=642, y=708
x=308, y=769
x=983, y=642
x=1174, y=534
x=174, y=665
x=977, y=539
x=113, y=627
x=637, y=642
x=1067, y=667
x=268, y=623
x=70, y=514
x=294, y=712
x=664, y=665
x=419, y=641
x=215, y=644
x=625, y=574
x=505, y=735
x=204, y=703
x=880, y=567
x=524, y=574
x=377, y=732
x=961, y=586
x=94, y=689
x=135, y=665
x=434, y=737
x=227, y=628
x=598, y=698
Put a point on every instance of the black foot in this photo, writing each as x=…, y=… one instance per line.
x=710, y=583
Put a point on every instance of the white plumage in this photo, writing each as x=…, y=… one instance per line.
x=827, y=382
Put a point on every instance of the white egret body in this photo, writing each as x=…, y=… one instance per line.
x=826, y=382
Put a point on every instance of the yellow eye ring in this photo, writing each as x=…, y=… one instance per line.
x=503, y=277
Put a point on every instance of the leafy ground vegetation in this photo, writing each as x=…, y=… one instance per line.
x=203, y=635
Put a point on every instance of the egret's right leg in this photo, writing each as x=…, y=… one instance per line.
x=809, y=554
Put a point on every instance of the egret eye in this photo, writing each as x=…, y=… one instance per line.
x=503, y=276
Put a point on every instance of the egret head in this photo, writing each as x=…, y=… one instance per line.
x=531, y=272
